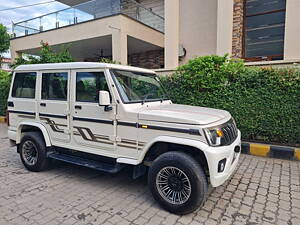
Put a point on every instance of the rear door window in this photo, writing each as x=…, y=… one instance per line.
x=24, y=85
x=55, y=86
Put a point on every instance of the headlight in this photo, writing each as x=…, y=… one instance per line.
x=214, y=136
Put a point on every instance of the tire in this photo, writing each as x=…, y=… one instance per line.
x=188, y=172
x=33, y=152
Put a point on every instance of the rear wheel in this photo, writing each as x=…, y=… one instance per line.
x=33, y=151
x=177, y=182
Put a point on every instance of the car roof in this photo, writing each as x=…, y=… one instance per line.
x=79, y=65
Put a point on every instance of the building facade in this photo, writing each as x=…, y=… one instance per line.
x=162, y=34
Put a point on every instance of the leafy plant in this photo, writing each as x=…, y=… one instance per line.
x=264, y=101
x=5, y=79
x=46, y=55
x=108, y=60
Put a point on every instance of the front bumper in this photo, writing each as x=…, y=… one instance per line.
x=215, y=154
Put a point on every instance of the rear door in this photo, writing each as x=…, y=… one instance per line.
x=92, y=126
x=54, y=104
x=22, y=99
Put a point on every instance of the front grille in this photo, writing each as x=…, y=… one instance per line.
x=230, y=133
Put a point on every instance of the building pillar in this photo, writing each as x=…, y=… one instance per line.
x=171, y=34
x=14, y=55
x=224, y=27
x=292, y=27
x=237, y=29
x=119, y=47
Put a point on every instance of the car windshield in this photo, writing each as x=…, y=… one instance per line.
x=137, y=87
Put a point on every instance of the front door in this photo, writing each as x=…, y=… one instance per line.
x=53, y=104
x=92, y=126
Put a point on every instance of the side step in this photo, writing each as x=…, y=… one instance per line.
x=97, y=165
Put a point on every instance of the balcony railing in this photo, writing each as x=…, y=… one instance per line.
x=88, y=11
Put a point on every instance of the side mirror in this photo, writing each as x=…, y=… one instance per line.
x=104, y=100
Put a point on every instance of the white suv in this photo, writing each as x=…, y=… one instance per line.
x=108, y=117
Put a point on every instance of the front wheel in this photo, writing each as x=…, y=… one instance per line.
x=177, y=182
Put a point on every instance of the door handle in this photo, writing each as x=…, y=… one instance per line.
x=43, y=104
x=78, y=107
x=10, y=104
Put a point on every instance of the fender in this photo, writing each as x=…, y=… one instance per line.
x=37, y=125
x=174, y=140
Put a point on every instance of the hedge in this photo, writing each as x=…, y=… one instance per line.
x=5, y=78
x=265, y=102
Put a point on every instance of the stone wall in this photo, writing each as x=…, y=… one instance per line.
x=238, y=26
x=150, y=59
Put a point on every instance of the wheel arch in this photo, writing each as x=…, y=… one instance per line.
x=32, y=126
x=163, y=144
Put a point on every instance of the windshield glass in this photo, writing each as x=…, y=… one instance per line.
x=138, y=87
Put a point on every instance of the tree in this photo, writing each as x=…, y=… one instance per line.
x=46, y=55
x=4, y=40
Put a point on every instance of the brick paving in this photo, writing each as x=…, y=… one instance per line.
x=262, y=191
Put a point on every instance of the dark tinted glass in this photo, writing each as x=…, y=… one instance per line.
x=24, y=85
x=265, y=20
x=88, y=85
x=264, y=28
x=55, y=86
x=137, y=86
x=265, y=34
x=262, y=6
x=265, y=49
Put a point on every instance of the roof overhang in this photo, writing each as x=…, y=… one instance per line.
x=72, y=2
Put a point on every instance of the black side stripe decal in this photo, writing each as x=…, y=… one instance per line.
x=180, y=130
x=53, y=115
x=93, y=120
x=172, y=129
x=128, y=124
x=21, y=112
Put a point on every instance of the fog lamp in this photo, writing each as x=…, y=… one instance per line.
x=221, y=165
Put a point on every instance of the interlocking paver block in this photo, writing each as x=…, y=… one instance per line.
x=261, y=191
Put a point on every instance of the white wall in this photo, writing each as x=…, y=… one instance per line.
x=224, y=27
x=198, y=27
x=172, y=19
x=292, y=30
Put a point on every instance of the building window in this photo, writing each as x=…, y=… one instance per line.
x=264, y=29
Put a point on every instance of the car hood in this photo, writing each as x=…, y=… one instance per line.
x=184, y=114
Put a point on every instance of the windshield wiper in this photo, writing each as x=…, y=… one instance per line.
x=146, y=97
x=163, y=97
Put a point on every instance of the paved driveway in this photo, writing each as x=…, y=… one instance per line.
x=262, y=191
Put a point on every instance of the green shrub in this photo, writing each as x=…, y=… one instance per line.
x=108, y=60
x=46, y=55
x=265, y=102
x=5, y=78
